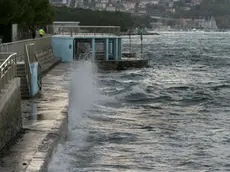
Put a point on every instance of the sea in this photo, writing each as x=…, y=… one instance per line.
x=173, y=116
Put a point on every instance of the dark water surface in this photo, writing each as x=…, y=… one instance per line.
x=174, y=116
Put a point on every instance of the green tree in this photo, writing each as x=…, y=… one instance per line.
x=44, y=12
x=7, y=10
x=26, y=12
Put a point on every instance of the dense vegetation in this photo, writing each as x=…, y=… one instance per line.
x=28, y=13
x=100, y=18
x=35, y=13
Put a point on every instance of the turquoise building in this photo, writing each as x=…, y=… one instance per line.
x=98, y=46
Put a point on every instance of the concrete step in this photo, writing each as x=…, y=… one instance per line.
x=25, y=96
x=21, y=69
x=24, y=82
x=21, y=73
x=25, y=92
x=24, y=88
x=20, y=64
x=23, y=77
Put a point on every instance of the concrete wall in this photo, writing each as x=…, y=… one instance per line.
x=63, y=48
x=18, y=46
x=10, y=112
x=40, y=46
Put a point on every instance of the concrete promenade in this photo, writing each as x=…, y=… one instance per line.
x=44, y=124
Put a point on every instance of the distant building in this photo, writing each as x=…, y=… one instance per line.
x=110, y=7
x=142, y=11
x=58, y=2
x=196, y=2
x=59, y=26
x=209, y=24
x=155, y=2
x=129, y=5
x=172, y=10
x=100, y=5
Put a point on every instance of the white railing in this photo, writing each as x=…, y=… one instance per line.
x=8, y=70
x=85, y=56
x=87, y=30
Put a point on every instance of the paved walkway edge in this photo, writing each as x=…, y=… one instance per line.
x=47, y=147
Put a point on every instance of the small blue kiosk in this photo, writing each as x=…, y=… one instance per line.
x=69, y=42
x=103, y=47
x=65, y=46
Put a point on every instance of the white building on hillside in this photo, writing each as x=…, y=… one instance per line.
x=58, y=26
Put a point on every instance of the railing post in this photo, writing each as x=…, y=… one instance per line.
x=71, y=32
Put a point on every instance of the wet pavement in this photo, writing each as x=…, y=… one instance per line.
x=44, y=123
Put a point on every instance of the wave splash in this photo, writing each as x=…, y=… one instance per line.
x=82, y=97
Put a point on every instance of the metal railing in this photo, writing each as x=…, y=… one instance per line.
x=25, y=53
x=85, y=56
x=8, y=70
x=86, y=30
x=27, y=66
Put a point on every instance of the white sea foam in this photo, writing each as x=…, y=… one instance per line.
x=83, y=94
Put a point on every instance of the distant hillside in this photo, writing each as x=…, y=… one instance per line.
x=220, y=9
x=100, y=18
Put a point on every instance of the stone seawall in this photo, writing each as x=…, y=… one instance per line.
x=10, y=112
x=45, y=123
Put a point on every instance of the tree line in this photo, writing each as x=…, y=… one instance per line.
x=26, y=12
x=36, y=13
x=101, y=18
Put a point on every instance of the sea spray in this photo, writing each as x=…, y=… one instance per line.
x=161, y=133
x=83, y=94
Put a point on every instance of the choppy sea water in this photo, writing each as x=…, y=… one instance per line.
x=173, y=116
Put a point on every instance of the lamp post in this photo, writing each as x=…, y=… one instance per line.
x=140, y=32
x=130, y=49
